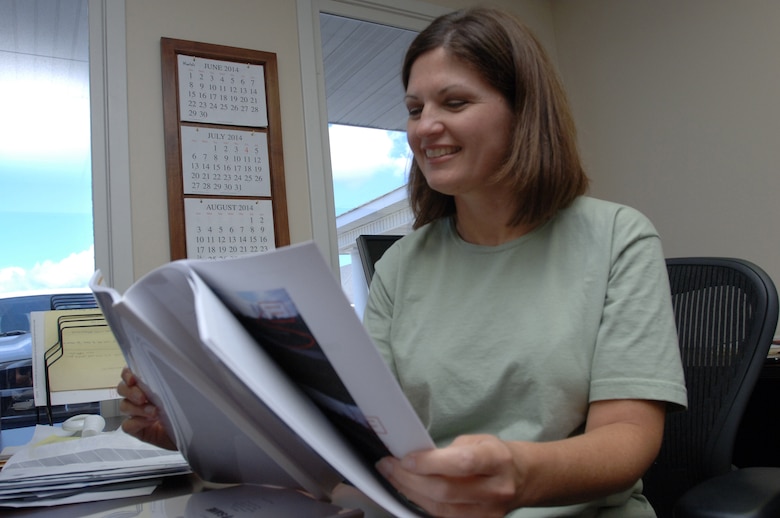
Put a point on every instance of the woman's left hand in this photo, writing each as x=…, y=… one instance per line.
x=482, y=475
x=474, y=476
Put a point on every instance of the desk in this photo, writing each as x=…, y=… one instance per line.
x=758, y=439
x=171, y=486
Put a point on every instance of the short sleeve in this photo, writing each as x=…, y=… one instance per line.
x=637, y=353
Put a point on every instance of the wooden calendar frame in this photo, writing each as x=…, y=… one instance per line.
x=172, y=52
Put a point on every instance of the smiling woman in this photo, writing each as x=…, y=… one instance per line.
x=45, y=166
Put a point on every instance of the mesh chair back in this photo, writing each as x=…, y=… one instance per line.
x=726, y=313
x=370, y=248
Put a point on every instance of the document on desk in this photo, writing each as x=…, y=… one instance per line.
x=53, y=467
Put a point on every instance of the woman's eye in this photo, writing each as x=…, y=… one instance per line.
x=454, y=105
x=414, y=111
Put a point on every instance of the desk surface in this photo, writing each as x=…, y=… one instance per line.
x=171, y=486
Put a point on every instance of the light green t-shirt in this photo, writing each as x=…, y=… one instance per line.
x=516, y=340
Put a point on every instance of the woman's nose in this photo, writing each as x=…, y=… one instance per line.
x=428, y=123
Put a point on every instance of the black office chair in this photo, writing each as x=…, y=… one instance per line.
x=370, y=249
x=726, y=311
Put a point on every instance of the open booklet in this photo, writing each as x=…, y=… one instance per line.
x=265, y=374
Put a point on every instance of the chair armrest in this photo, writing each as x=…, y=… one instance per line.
x=748, y=492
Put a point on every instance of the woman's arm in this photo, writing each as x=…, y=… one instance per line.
x=481, y=475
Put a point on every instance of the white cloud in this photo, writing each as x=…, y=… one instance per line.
x=358, y=153
x=53, y=95
x=72, y=272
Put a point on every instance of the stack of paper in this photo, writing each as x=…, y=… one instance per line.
x=52, y=469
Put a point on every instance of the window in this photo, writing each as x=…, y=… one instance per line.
x=393, y=17
x=361, y=186
x=69, y=54
x=84, y=42
x=45, y=152
x=367, y=122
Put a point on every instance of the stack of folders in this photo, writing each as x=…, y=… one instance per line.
x=54, y=469
x=76, y=358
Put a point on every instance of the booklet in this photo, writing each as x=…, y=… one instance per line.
x=264, y=373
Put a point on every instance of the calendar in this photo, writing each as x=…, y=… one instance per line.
x=223, y=228
x=224, y=162
x=221, y=92
x=223, y=150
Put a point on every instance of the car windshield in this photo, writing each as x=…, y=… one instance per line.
x=15, y=312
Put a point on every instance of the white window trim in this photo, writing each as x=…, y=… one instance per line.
x=406, y=14
x=110, y=147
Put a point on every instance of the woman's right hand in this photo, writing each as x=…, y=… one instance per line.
x=143, y=417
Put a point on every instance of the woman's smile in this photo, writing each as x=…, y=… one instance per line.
x=459, y=125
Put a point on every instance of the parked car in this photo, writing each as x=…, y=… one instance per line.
x=17, y=404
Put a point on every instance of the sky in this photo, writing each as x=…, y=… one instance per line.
x=367, y=163
x=46, y=212
x=45, y=177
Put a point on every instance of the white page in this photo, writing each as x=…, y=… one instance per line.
x=302, y=273
x=223, y=430
x=237, y=350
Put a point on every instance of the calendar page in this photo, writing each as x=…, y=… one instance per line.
x=222, y=228
x=224, y=162
x=221, y=92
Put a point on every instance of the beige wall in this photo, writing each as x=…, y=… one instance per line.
x=678, y=111
x=262, y=25
x=537, y=14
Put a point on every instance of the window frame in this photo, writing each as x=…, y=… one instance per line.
x=110, y=146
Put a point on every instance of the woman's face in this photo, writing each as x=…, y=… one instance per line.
x=459, y=126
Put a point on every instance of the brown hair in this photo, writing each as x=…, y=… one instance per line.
x=542, y=165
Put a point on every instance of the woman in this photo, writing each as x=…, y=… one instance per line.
x=530, y=326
